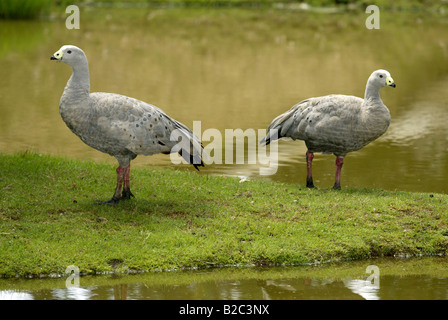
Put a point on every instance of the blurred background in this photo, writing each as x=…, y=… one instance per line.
x=237, y=64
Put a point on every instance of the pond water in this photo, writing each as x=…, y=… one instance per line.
x=230, y=69
x=240, y=68
x=421, y=278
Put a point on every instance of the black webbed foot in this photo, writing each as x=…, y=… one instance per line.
x=337, y=186
x=309, y=183
x=127, y=194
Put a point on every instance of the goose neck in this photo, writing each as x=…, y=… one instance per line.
x=372, y=94
x=78, y=86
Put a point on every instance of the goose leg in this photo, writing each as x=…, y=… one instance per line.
x=339, y=163
x=127, y=194
x=122, y=182
x=309, y=177
x=120, y=177
x=122, y=190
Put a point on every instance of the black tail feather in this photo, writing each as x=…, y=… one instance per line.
x=190, y=159
x=272, y=135
x=266, y=140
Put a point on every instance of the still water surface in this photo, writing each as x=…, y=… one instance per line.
x=397, y=279
x=234, y=69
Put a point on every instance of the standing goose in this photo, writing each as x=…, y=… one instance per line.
x=120, y=126
x=336, y=124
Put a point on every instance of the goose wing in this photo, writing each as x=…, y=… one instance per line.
x=127, y=125
x=328, y=119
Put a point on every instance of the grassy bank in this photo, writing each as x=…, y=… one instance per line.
x=49, y=220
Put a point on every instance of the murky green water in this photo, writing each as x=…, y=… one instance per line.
x=417, y=278
x=234, y=68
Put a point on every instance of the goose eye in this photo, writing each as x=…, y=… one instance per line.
x=69, y=51
x=381, y=75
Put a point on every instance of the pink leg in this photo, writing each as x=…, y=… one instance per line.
x=339, y=163
x=122, y=183
x=120, y=178
x=309, y=177
x=127, y=194
x=126, y=177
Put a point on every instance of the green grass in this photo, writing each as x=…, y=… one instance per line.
x=49, y=220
